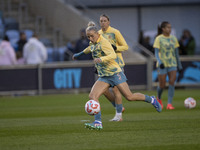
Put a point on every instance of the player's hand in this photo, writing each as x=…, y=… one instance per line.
x=162, y=66
x=180, y=70
x=75, y=56
x=114, y=47
x=97, y=60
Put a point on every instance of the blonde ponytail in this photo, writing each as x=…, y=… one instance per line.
x=91, y=26
x=91, y=23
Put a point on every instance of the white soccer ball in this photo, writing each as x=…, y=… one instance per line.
x=92, y=107
x=190, y=103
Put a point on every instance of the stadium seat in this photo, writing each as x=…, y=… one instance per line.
x=50, y=53
x=13, y=36
x=46, y=42
x=61, y=53
x=29, y=33
x=1, y=28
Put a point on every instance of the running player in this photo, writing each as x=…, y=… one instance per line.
x=119, y=45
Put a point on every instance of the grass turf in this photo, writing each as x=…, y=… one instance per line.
x=57, y=122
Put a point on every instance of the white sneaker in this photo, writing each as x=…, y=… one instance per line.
x=117, y=118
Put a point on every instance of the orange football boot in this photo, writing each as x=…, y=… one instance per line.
x=169, y=106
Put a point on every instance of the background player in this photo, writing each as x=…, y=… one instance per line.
x=119, y=45
x=167, y=55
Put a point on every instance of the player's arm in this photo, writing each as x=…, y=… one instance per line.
x=84, y=52
x=43, y=52
x=179, y=65
x=160, y=63
x=108, y=50
x=121, y=43
x=156, y=46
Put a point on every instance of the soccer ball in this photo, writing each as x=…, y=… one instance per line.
x=92, y=107
x=190, y=103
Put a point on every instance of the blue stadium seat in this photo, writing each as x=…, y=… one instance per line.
x=2, y=28
x=13, y=36
x=50, y=53
x=61, y=53
x=46, y=42
x=29, y=33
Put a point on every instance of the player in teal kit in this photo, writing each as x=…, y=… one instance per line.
x=119, y=45
x=166, y=52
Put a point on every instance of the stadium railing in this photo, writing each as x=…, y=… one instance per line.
x=78, y=76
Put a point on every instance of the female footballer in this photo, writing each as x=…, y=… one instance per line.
x=110, y=74
x=119, y=45
x=167, y=55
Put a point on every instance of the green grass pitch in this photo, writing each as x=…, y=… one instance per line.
x=56, y=122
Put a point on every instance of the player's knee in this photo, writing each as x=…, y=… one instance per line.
x=162, y=86
x=129, y=97
x=117, y=95
x=106, y=93
x=171, y=82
